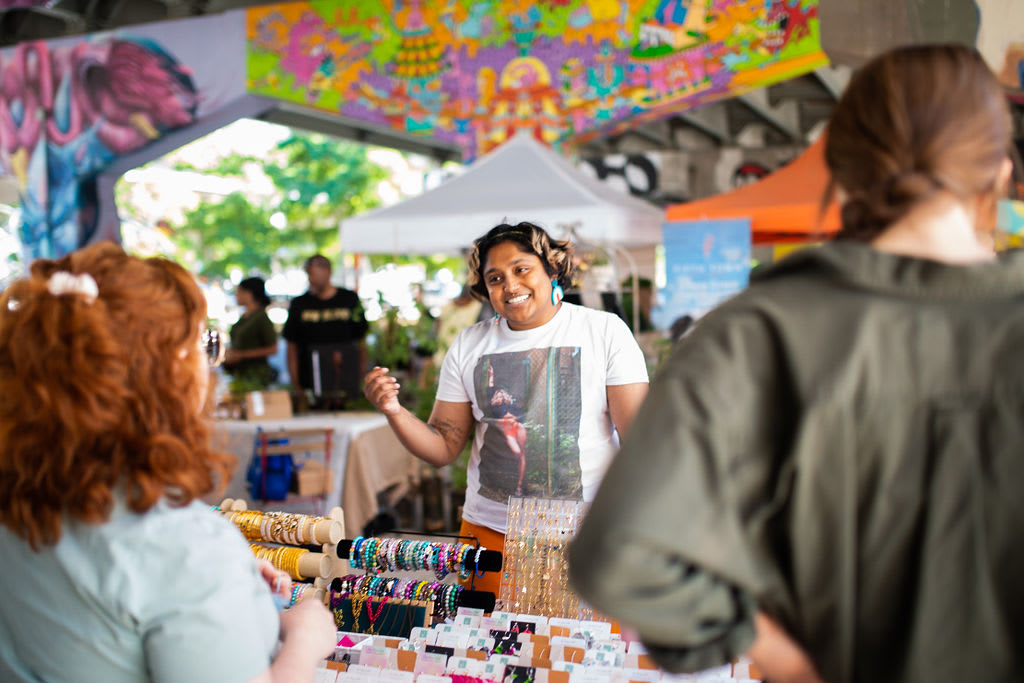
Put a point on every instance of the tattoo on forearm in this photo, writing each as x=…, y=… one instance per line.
x=451, y=432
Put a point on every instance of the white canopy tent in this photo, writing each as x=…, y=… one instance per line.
x=521, y=180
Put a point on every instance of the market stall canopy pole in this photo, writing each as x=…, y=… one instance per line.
x=522, y=180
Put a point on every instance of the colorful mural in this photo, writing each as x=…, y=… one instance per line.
x=67, y=113
x=71, y=108
x=475, y=72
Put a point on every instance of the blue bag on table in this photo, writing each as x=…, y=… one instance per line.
x=275, y=483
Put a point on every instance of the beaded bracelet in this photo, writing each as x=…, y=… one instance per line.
x=392, y=555
x=354, y=557
x=370, y=554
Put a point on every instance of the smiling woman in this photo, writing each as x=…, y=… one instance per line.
x=519, y=286
x=545, y=389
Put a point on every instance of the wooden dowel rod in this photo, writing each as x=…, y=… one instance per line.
x=312, y=565
x=327, y=531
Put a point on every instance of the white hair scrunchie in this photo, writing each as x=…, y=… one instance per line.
x=63, y=282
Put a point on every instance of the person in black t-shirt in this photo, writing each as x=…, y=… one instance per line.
x=325, y=331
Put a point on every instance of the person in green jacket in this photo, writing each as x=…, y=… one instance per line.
x=253, y=338
x=826, y=473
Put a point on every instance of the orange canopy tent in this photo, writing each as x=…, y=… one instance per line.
x=784, y=206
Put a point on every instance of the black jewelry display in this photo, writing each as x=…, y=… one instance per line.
x=379, y=616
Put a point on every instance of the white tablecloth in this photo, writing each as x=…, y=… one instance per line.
x=366, y=459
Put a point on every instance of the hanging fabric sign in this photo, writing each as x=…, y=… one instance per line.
x=706, y=261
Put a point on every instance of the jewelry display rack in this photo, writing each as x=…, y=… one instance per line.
x=535, y=579
x=482, y=560
x=320, y=563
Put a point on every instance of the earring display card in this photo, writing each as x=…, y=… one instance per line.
x=325, y=676
x=535, y=577
x=430, y=663
x=520, y=674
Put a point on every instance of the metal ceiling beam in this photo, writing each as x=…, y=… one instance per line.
x=211, y=6
x=37, y=23
x=833, y=78
x=661, y=138
x=800, y=88
x=783, y=118
x=710, y=120
x=60, y=18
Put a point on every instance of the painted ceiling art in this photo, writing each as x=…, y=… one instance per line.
x=476, y=72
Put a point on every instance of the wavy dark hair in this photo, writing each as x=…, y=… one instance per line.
x=556, y=255
x=102, y=396
x=913, y=122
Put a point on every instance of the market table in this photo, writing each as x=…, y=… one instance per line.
x=366, y=460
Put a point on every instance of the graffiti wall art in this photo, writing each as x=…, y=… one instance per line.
x=70, y=108
x=475, y=72
x=673, y=177
x=66, y=113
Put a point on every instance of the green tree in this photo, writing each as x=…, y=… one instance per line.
x=322, y=180
x=431, y=263
x=318, y=180
x=231, y=233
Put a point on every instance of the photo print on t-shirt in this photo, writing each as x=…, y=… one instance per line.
x=531, y=402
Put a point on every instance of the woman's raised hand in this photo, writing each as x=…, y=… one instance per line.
x=311, y=625
x=382, y=391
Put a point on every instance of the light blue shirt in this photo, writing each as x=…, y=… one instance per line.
x=170, y=595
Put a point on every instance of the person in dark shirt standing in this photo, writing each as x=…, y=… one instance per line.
x=325, y=331
x=253, y=338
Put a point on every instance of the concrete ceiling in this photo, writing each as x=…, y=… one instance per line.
x=43, y=19
x=788, y=113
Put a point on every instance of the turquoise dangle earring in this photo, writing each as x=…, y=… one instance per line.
x=557, y=293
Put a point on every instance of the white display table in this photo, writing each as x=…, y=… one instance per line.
x=366, y=459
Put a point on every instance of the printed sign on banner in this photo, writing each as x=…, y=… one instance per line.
x=706, y=262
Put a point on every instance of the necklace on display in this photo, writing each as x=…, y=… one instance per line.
x=373, y=617
x=357, y=609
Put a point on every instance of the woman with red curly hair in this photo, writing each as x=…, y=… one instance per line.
x=113, y=570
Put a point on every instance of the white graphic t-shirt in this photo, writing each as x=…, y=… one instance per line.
x=539, y=398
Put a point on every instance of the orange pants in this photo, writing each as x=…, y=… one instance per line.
x=492, y=540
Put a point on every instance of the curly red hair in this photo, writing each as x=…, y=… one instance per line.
x=102, y=396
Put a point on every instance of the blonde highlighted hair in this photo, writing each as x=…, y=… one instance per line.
x=556, y=255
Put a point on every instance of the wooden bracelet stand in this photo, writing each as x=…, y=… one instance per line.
x=330, y=530
x=322, y=566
